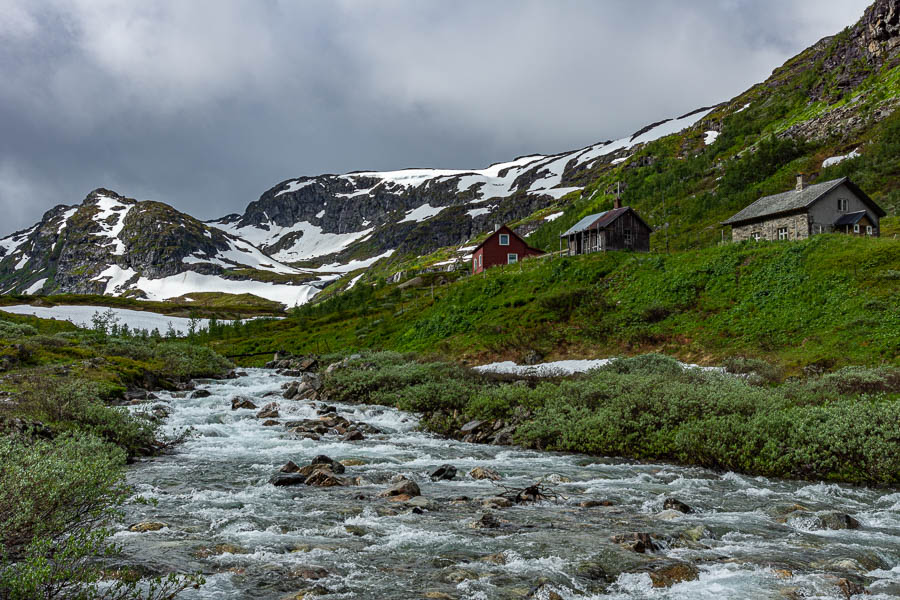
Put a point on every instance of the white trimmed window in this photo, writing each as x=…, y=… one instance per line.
x=474, y=263
x=504, y=239
x=856, y=228
x=868, y=230
x=843, y=205
x=512, y=259
x=782, y=233
x=756, y=236
x=479, y=259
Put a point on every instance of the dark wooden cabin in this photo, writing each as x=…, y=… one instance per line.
x=618, y=229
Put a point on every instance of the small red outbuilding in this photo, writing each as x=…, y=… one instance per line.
x=503, y=247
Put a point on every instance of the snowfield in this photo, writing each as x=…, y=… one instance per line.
x=560, y=367
x=81, y=315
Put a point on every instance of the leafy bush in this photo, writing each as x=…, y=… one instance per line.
x=182, y=359
x=758, y=371
x=77, y=403
x=15, y=330
x=57, y=501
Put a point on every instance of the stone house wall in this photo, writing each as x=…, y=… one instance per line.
x=797, y=227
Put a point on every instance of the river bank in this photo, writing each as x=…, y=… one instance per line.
x=215, y=511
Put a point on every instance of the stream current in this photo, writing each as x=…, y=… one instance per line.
x=251, y=539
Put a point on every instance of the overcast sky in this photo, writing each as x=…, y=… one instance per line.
x=205, y=104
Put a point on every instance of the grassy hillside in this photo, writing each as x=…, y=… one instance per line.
x=831, y=300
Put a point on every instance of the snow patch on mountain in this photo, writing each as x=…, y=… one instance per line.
x=421, y=213
x=111, y=219
x=312, y=242
x=835, y=160
x=295, y=185
x=36, y=286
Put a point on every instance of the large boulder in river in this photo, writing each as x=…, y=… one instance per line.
x=405, y=487
x=445, y=472
x=286, y=479
x=484, y=473
x=269, y=411
x=201, y=394
x=675, y=504
x=329, y=462
x=239, y=402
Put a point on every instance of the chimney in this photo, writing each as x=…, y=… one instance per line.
x=801, y=180
x=617, y=203
x=496, y=227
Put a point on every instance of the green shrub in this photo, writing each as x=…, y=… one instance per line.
x=184, y=360
x=57, y=501
x=758, y=371
x=15, y=330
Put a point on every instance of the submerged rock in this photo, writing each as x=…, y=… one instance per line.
x=636, y=542
x=201, y=394
x=286, y=479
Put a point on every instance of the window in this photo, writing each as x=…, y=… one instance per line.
x=782, y=233
x=843, y=205
x=479, y=260
x=868, y=230
x=512, y=259
x=627, y=237
x=755, y=236
x=504, y=239
x=856, y=228
x=474, y=263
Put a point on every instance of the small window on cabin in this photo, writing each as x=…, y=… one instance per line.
x=856, y=228
x=755, y=236
x=479, y=259
x=868, y=230
x=628, y=237
x=504, y=239
x=783, y=233
x=843, y=205
x=474, y=263
x=512, y=259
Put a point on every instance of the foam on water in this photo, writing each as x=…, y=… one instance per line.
x=215, y=491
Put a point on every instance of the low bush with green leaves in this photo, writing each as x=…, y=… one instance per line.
x=58, y=500
x=839, y=426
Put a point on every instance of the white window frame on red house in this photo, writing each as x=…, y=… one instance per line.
x=506, y=237
x=512, y=258
x=479, y=259
x=474, y=263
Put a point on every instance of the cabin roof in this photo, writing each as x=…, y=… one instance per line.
x=601, y=220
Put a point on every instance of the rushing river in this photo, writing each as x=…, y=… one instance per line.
x=253, y=540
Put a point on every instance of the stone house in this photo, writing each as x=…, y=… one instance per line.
x=618, y=229
x=837, y=206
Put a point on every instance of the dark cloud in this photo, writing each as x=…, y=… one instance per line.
x=204, y=104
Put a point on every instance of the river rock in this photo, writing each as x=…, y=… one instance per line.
x=218, y=549
x=270, y=423
x=147, y=526
x=636, y=542
x=201, y=394
x=325, y=478
x=484, y=473
x=421, y=502
x=269, y=411
x=850, y=588
x=353, y=462
x=239, y=402
x=487, y=521
x=286, y=479
x=671, y=572
x=837, y=520
x=496, y=502
x=444, y=472
x=353, y=436
x=405, y=487
x=327, y=460
x=290, y=467
x=675, y=504
x=471, y=426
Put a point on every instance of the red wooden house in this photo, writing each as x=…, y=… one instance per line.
x=503, y=247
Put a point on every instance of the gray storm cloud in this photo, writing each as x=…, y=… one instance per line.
x=205, y=104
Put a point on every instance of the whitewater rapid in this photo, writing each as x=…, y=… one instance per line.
x=253, y=540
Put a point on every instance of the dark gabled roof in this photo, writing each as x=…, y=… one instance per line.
x=850, y=218
x=787, y=202
x=505, y=229
x=602, y=220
